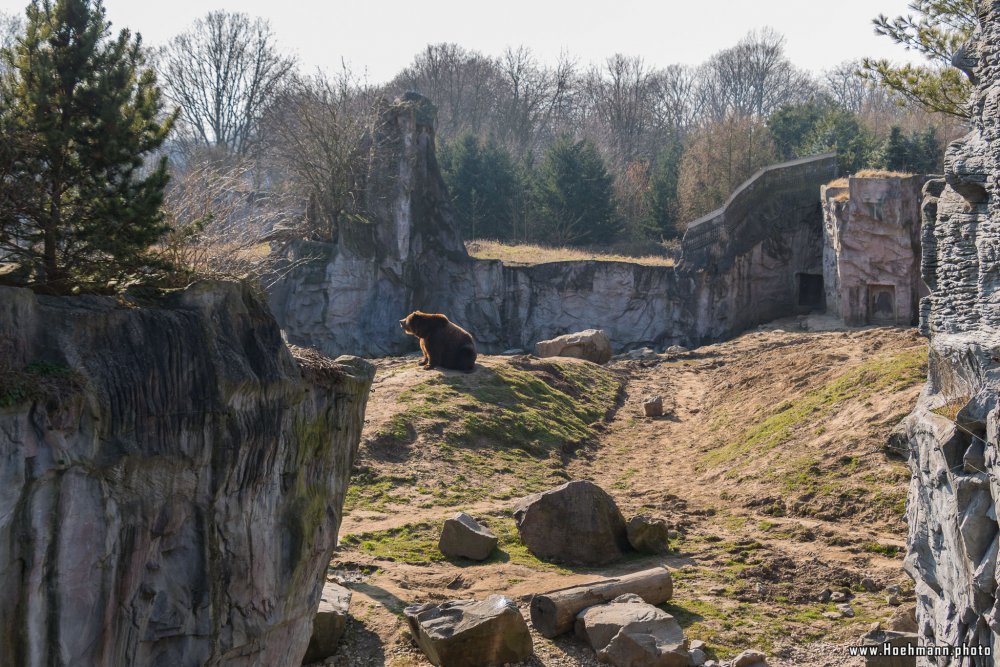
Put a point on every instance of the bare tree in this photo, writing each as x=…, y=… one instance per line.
x=462, y=84
x=312, y=134
x=621, y=95
x=719, y=157
x=752, y=78
x=220, y=221
x=222, y=73
x=673, y=90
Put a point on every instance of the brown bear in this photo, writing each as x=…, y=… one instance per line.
x=443, y=343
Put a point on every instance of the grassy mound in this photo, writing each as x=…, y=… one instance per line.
x=500, y=432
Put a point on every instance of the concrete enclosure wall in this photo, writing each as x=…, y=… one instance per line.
x=739, y=266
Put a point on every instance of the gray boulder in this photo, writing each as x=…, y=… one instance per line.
x=463, y=537
x=576, y=523
x=628, y=632
x=652, y=406
x=750, y=659
x=470, y=633
x=592, y=345
x=329, y=624
x=648, y=535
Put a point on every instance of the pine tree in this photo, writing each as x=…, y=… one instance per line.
x=574, y=195
x=897, y=151
x=81, y=115
x=662, y=194
x=484, y=187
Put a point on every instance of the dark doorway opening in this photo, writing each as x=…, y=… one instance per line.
x=811, y=292
x=881, y=304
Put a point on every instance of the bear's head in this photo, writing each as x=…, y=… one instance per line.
x=421, y=324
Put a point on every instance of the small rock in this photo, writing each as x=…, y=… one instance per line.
x=839, y=596
x=824, y=595
x=750, y=659
x=470, y=633
x=894, y=589
x=711, y=663
x=869, y=584
x=893, y=600
x=677, y=349
x=329, y=623
x=648, y=535
x=513, y=352
x=846, y=610
x=698, y=656
x=653, y=406
x=903, y=619
x=833, y=615
x=696, y=644
x=463, y=537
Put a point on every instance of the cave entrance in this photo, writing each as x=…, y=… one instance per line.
x=811, y=292
x=881, y=304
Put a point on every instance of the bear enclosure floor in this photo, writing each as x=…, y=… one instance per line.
x=770, y=465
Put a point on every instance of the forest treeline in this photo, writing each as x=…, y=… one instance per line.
x=613, y=153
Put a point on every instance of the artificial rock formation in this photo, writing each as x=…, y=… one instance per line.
x=740, y=267
x=953, y=432
x=871, y=253
x=171, y=479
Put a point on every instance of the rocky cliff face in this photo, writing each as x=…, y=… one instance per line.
x=171, y=479
x=953, y=433
x=741, y=264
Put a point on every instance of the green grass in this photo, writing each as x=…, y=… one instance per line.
x=370, y=491
x=502, y=432
x=882, y=374
x=416, y=544
x=547, y=405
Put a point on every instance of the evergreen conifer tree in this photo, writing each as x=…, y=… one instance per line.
x=81, y=116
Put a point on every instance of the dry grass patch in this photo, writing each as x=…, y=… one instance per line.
x=526, y=254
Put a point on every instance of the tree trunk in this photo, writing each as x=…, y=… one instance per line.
x=555, y=612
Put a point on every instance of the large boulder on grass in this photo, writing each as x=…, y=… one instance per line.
x=592, y=345
x=463, y=537
x=576, y=523
x=470, y=633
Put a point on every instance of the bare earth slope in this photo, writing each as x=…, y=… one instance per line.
x=770, y=466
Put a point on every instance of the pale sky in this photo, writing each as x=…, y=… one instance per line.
x=383, y=36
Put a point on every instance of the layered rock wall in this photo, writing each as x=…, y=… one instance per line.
x=953, y=432
x=740, y=264
x=871, y=255
x=171, y=479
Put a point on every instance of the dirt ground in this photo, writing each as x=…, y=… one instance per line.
x=770, y=465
